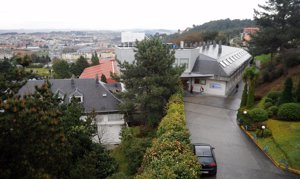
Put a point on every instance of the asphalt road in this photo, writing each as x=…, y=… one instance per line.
x=212, y=120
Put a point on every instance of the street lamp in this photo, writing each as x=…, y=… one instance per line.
x=245, y=112
x=263, y=128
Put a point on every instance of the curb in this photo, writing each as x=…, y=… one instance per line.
x=273, y=161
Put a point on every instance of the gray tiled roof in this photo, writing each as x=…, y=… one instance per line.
x=95, y=96
x=224, y=63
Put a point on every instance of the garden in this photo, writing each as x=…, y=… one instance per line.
x=274, y=123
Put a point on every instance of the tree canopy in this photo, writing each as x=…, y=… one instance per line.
x=95, y=59
x=41, y=138
x=279, y=23
x=78, y=67
x=150, y=80
x=61, y=69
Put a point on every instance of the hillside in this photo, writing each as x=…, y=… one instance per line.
x=223, y=25
x=277, y=84
x=214, y=30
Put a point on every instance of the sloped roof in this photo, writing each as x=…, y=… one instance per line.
x=96, y=96
x=105, y=67
x=222, y=63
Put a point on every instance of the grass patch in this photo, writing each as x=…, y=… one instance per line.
x=264, y=58
x=120, y=158
x=287, y=135
x=284, y=143
x=39, y=71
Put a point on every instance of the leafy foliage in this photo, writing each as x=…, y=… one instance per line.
x=103, y=78
x=61, y=69
x=170, y=155
x=297, y=92
x=78, y=67
x=95, y=59
x=279, y=26
x=289, y=112
x=42, y=139
x=149, y=80
x=287, y=93
x=258, y=114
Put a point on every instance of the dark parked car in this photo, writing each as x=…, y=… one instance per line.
x=206, y=157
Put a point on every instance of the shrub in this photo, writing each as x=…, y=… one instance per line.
x=289, y=111
x=263, y=133
x=258, y=114
x=267, y=100
x=272, y=111
x=268, y=104
x=170, y=155
x=274, y=95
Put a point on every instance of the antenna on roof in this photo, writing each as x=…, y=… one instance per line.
x=214, y=43
x=72, y=80
x=97, y=78
x=220, y=47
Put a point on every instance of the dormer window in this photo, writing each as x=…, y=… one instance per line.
x=76, y=95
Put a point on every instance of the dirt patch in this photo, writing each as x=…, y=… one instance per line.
x=277, y=84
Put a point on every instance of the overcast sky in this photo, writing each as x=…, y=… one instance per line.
x=120, y=14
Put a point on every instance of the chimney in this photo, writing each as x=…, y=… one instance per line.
x=181, y=44
x=97, y=78
x=220, y=47
x=203, y=45
x=73, y=81
x=214, y=43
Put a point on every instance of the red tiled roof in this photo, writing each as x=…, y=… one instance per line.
x=105, y=67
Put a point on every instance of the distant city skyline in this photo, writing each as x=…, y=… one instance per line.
x=120, y=14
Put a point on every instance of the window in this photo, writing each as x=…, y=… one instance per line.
x=223, y=64
x=203, y=82
x=197, y=80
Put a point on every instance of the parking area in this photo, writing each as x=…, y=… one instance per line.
x=212, y=120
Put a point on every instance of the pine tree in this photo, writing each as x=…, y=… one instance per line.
x=150, y=80
x=103, y=78
x=287, y=93
x=95, y=59
x=251, y=74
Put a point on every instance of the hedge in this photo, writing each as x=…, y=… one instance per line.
x=171, y=155
x=289, y=112
x=258, y=114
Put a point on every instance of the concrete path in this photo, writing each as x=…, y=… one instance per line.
x=212, y=120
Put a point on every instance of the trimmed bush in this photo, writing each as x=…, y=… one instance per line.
x=268, y=104
x=171, y=155
x=289, y=112
x=258, y=114
x=274, y=95
x=263, y=133
x=272, y=111
x=269, y=100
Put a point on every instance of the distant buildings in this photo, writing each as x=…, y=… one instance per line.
x=247, y=32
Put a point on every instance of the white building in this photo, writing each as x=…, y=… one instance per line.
x=210, y=68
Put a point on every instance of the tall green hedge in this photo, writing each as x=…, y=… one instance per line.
x=171, y=155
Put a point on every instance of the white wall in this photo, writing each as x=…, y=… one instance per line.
x=211, y=87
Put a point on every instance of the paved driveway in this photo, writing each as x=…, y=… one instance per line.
x=213, y=120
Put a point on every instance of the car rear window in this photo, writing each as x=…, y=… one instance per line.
x=203, y=151
x=205, y=159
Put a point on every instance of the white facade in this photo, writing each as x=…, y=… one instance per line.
x=131, y=36
x=109, y=128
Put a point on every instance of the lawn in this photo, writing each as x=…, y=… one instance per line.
x=263, y=58
x=285, y=144
x=39, y=71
